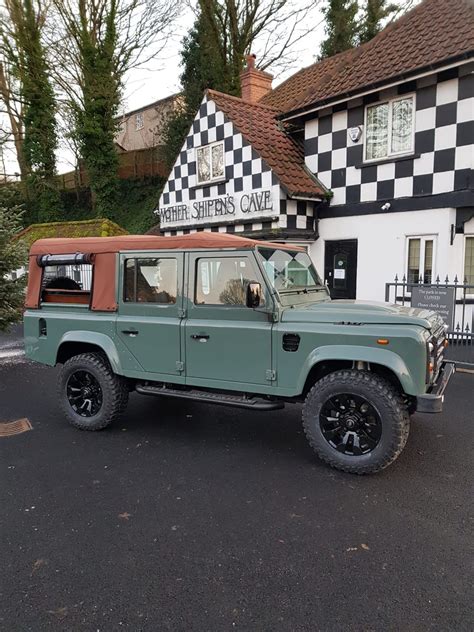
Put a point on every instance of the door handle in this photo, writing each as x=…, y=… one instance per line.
x=130, y=332
x=200, y=336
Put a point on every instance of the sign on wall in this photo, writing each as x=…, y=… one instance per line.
x=246, y=206
x=438, y=299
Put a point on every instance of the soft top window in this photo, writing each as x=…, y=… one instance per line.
x=65, y=280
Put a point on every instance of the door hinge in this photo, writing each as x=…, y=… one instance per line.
x=179, y=367
x=181, y=313
x=271, y=375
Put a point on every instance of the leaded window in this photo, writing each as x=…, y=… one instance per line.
x=389, y=129
x=210, y=162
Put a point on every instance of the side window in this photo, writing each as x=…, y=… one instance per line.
x=420, y=259
x=150, y=281
x=210, y=162
x=389, y=128
x=469, y=262
x=223, y=280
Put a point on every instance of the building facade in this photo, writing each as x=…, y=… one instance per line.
x=143, y=128
x=366, y=157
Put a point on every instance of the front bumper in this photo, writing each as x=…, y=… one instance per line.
x=432, y=402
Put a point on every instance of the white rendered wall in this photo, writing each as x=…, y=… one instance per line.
x=382, y=245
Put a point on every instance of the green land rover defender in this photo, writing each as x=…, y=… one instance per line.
x=229, y=320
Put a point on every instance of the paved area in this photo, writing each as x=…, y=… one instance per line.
x=191, y=517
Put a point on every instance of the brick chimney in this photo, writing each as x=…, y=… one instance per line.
x=254, y=83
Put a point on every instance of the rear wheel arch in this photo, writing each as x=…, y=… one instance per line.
x=71, y=348
x=77, y=342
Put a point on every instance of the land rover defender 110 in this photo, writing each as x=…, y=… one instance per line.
x=229, y=320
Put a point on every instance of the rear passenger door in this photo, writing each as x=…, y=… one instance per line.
x=150, y=312
x=228, y=345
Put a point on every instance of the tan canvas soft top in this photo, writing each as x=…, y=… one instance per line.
x=104, y=250
x=97, y=245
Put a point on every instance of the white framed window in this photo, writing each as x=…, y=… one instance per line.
x=139, y=120
x=469, y=261
x=389, y=128
x=420, y=259
x=210, y=162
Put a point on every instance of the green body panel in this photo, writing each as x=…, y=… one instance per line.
x=73, y=324
x=244, y=348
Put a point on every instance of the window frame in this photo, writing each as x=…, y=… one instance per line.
x=423, y=239
x=390, y=154
x=134, y=301
x=139, y=121
x=212, y=179
x=470, y=292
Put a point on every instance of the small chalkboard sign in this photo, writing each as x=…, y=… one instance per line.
x=438, y=299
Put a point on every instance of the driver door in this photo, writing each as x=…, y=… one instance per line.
x=228, y=345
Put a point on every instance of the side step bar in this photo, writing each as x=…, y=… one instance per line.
x=253, y=403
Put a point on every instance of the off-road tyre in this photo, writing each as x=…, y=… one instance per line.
x=382, y=396
x=114, y=391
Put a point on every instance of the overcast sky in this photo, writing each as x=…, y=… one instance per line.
x=160, y=77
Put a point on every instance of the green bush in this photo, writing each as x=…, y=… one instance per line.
x=133, y=210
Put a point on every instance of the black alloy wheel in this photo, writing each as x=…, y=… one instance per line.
x=350, y=424
x=91, y=395
x=356, y=421
x=84, y=393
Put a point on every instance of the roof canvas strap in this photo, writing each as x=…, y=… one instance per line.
x=63, y=260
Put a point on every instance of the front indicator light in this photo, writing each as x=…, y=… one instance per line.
x=383, y=341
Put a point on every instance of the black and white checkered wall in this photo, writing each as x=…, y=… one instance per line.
x=245, y=170
x=443, y=148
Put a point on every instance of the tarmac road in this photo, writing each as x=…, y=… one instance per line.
x=189, y=517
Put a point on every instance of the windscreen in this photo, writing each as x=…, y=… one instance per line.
x=292, y=274
x=288, y=270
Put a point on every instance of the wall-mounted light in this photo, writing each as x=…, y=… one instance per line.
x=386, y=207
x=355, y=133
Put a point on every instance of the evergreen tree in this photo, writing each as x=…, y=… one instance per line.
x=203, y=68
x=96, y=117
x=28, y=60
x=341, y=27
x=376, y=13
x=99, y=42
x=12, y=257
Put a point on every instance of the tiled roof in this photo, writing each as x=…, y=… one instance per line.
x=429, y=36
x=83, y=228
x=285, y=156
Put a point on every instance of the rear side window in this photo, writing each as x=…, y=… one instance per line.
x=150, y=281
x=67, y=284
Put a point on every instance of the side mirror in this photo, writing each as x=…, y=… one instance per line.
x=254, y=294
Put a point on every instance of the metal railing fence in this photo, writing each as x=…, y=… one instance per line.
x=459, y=316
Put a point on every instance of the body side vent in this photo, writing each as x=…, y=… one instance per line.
x=291, y=342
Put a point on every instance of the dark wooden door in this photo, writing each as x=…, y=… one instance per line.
x=340, y=267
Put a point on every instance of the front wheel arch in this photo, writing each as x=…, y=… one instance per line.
x=326, y=367
x=411, y=377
